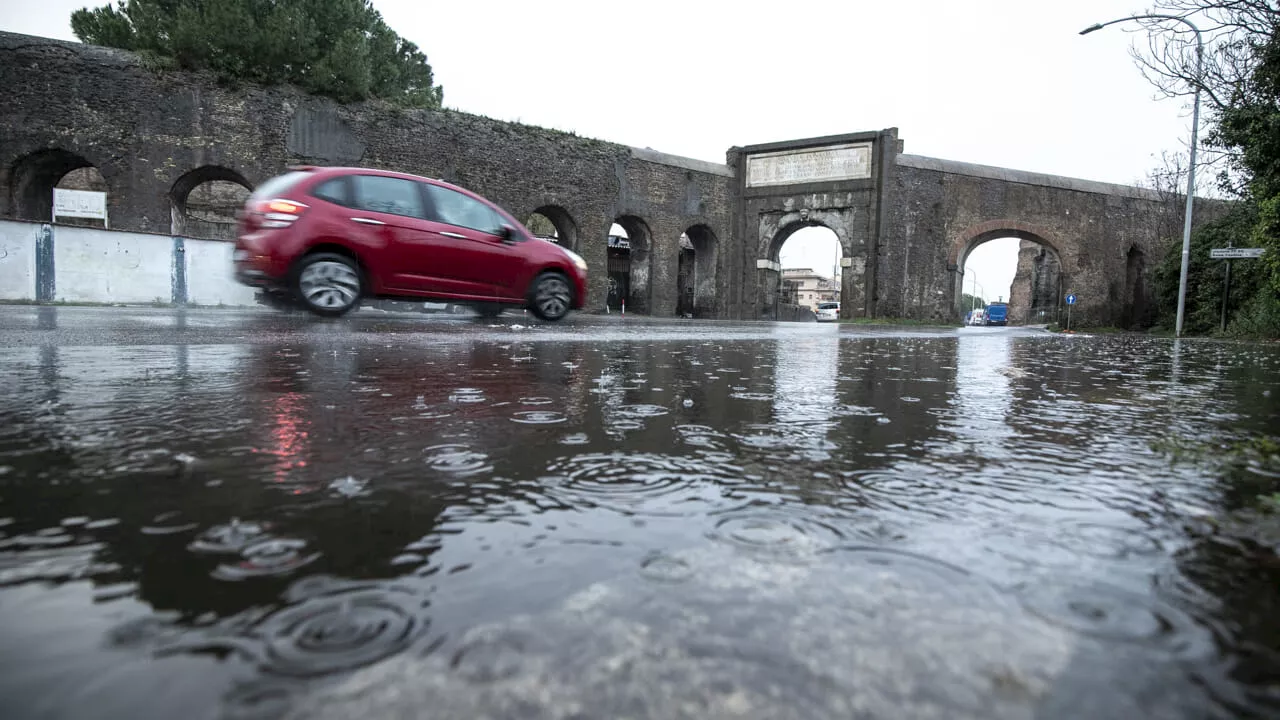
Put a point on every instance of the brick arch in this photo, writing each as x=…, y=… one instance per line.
x=792, y=222
x=640, y=268
x=975, y=235
x=181, y=222
x=563, y=221
x=33, y=175
x=191, y=179
x=706, y=250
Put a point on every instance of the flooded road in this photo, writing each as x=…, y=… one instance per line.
x=216, y=514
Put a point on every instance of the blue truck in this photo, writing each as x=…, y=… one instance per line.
x=998, y=314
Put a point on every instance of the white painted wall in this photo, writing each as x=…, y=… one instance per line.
x=109, y=266
x=18, y=260
x=209, y=275
x=94, y=265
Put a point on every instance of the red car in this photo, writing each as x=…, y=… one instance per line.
x=331, y=236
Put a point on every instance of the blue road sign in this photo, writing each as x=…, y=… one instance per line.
x=1071, y=299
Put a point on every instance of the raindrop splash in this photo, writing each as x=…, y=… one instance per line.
x=538, y=417
x=228, y=539
x=639, y=483
x=457, y=459
x=279, y=556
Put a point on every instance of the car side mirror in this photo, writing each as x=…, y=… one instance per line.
x=509, y=234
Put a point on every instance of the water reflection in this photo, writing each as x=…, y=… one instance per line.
x=983, y=397
x=47, y=318
x=258, y=522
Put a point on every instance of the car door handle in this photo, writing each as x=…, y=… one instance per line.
x=368, y=221
x=456, y=236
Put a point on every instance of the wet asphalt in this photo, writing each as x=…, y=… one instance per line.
x=220, y=513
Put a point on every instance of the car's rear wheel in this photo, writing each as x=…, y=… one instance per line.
x=551, y=297
x=328, y=284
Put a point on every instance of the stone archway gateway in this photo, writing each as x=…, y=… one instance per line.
x=834, y=183
x=1036, y=292
x=896, y=216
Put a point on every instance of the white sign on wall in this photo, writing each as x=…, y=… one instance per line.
x=79, y=203
x=791, y=167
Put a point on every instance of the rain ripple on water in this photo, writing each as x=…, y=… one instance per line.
x=1110, y=613
x=328, y=626
x=538, y=417
x=638, y=483
x=457, y=459
x=228, y=539
x=276, y=556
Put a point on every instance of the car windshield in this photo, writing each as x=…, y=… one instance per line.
x=828, y=306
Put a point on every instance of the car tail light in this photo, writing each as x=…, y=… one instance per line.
x=279, y=212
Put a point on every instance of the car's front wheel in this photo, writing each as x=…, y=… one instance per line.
x=328, y=284
x=551, y=297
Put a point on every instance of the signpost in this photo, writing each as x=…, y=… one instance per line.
x=1231, y=253
x=1071, y=300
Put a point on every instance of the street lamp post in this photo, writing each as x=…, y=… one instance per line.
x=1191, y=166
x=973, y=304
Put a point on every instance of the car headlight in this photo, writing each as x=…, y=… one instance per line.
x=577, y=259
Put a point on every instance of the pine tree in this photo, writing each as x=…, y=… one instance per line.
x=339, y=48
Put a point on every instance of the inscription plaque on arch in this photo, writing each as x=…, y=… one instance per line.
x=792, y=167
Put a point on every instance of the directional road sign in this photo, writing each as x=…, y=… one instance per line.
x=1235, y=253
x=1071, y=299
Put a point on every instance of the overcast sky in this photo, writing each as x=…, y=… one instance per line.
x=997, y=82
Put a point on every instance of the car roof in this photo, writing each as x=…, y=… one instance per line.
x=335, y=170
x=352, y=170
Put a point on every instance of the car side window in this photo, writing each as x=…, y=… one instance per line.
x=454, y=208
x=395, y=196
x=335, y=191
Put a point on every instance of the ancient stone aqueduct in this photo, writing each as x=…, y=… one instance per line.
x=905, y=222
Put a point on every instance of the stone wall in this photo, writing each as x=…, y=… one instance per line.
x=1034, y=297
x=156, y=136
x=940, y=210
x=905, y=229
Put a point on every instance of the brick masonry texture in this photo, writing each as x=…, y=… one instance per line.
x=938, y=214
x=149, y=133
x=154, y=136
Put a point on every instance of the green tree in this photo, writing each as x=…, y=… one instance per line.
x=969, y=302
x=1248, y=127
x=539, y=225
x=339, y=48
x=1240, y=83
x=1205, y=277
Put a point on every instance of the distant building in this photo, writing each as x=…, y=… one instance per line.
x=803, y=286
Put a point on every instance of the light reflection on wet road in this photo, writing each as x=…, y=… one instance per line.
x=217, y=514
